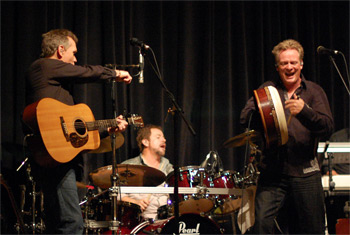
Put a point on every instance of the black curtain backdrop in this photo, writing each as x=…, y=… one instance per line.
x=211, y=54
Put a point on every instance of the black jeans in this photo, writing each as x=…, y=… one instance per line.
x=302, y=199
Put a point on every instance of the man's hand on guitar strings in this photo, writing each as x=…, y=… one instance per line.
x=122, y=125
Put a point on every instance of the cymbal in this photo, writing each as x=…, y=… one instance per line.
x=241, y=139
x=129, y=175
x=106, y=144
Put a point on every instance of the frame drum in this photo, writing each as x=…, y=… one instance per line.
x=272, y=116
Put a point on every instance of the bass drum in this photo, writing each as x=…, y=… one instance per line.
x=188, y=224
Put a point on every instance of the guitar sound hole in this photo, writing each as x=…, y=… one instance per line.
x=80, y=127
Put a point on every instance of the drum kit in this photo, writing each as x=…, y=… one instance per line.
x=203, y=195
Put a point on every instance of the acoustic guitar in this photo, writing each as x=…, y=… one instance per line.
x=60, y=131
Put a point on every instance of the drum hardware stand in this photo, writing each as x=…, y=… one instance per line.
x=20, y=226
x=201, y=188
x=87, y=199
x=92, y=224
x=34, y=226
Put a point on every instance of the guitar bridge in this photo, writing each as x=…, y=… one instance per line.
x=64, y=129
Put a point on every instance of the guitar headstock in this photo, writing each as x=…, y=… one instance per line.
x=136, y=121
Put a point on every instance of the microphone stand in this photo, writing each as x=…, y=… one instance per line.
x=341, y=77
x=180, y=112
x=113, y=191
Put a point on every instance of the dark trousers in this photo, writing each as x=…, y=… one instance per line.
x=301, y=199
x=62, y=211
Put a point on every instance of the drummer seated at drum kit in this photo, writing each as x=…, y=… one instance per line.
x=152, y=144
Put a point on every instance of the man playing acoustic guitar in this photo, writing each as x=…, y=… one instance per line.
x=48, y=77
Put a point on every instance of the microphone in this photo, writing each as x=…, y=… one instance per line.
x=143, y=47
x=135, y=42
x=142, y=65
x=323, y=50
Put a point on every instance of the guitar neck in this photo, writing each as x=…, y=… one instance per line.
x=134, y=120
x=95, y=125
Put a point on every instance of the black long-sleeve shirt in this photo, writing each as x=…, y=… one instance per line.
x=48, y=78
x=298, y=157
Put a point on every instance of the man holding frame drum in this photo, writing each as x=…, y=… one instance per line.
x=290, y=174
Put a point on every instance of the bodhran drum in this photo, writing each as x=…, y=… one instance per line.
x=188, y=224
x=225, y=204
x=272, y=116
x=192, y=176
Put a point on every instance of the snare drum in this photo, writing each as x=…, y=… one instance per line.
x=192, y=176
x=100, y=212
x=129, y=214
x=225, y=204
x=188, y=224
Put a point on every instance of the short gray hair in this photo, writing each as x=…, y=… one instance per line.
x=54, y=38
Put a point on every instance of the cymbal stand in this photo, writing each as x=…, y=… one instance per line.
x=252, y=173
x=33, y=194
x=40, y=226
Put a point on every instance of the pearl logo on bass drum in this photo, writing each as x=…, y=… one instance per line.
x=188, y=224
x=184, y=230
